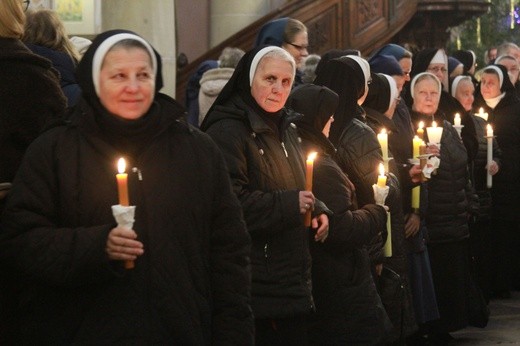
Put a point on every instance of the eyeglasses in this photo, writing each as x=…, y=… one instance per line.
x=300, y=48
x=437, y=69
x=25, y=4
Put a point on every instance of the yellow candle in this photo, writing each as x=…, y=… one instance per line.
x=457, y=119
x=122, y=183
x=382, y=137
x=381, y=179
x=387, y=249
x=416, y=146
x=309, y=168
x=420, y=130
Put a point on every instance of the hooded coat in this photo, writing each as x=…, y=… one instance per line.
x=190, y=286
x=340, y=269
x=266, y=167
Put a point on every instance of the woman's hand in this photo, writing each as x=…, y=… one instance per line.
x=306, y=201
x=433, y=150
x=321, y=222
x=415, y=173
x=122, y=246
x=411, y=227
x=493, y=168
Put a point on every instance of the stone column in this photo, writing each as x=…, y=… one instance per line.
x=154, y=21
x=229, y=16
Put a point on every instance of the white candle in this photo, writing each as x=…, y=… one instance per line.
x=489, y=137
x=434, y=133
x=457, y=119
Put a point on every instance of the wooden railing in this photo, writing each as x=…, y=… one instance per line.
x=359, y=24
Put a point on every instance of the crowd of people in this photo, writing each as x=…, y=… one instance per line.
x=398, y=231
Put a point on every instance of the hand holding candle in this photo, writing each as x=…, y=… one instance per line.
x=489, y=138
x=309, y=168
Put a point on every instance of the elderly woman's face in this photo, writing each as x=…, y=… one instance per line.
x=272, y=83
x=489, y=86
x=464, y=94
x=126, y=82
x=426, y=96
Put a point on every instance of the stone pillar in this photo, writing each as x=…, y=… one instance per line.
x=229, y=16
x=154, y=21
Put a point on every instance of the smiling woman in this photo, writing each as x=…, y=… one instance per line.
x=188, y=238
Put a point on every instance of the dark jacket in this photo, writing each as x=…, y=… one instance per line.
x=359, y=155
x=346, y=299
x=448, y=207
x=65, y=66
x=505, y=119
x=478, y=171
x=191, y=285
x=30, y=97
x=267, y=174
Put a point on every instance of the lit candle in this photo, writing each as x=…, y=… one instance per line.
x=122, y=189
x=122, y=183
x=381, y=179
x=482, y=114
x=434, y=133
x=489, y=137
x=420, y=130
x=416, y=146
x=382, y=137
x=457, y=119
x=309, y=168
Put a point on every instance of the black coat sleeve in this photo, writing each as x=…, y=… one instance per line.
x=33, y=238
x=230, y=266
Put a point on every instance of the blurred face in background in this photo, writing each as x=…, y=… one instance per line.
x=426, y=96
x=465, y=94
x=489, y=85
x=298, y=48
x=513, y=68
x=406, y=65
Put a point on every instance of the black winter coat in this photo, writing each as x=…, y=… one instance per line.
x=267, y=174
x=449, y=188
x=30, y=96
x=478, y=169
x=505, y=119
x=191, y=285
x=346, y=299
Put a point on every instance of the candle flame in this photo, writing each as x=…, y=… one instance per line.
x=457, y=115
x=381, y=169
x=489, y=128
x=121, y=165
x=383, y=131
x=481, y=110
x=312, y=156
x=421, y=124
x=434, y=124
